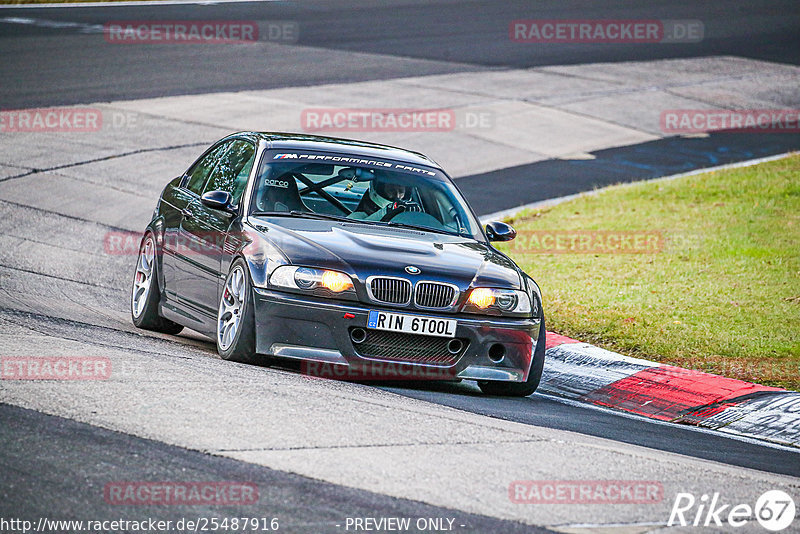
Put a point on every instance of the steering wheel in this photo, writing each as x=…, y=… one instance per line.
x=399, y=207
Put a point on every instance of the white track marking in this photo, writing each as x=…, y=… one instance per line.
x=155, y=3
x=44, y=23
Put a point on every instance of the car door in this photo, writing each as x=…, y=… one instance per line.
x=175, y=207
x=206, y=229
x=172, y=203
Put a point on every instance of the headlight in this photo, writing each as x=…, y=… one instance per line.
x=320, y=282
x=492, y=301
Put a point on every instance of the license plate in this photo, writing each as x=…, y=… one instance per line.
x=411, y=324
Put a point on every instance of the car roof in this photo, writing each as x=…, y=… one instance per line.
x=296, y=141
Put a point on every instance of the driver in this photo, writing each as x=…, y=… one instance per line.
x=384, y=195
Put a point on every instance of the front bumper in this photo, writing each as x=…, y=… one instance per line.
x=318, y=330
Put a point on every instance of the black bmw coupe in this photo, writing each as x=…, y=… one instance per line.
x=339, y=253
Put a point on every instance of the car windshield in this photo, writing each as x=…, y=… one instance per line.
x=369, y=190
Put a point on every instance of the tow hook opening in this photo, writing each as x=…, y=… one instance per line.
x=497, y=352
x=358, y=335
x=455, y=346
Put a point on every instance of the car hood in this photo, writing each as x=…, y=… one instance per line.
x=363, y=250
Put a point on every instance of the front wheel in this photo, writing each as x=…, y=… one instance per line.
x=145, y=294
x=235, y=319
x=521, y=389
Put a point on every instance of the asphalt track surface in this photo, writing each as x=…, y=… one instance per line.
x=550, y=412
x=57, y=466
x=56, y=58
x=66, y=482
x=349, y=42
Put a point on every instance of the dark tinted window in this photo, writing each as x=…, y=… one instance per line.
x=363, y=190
x=233, y=169
x=199, y=172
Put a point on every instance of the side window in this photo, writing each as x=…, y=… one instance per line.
x=233, y=169
x=200, y=170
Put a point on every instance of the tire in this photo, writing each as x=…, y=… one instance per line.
x=236, y=340
x=521, y=389
x=145, y=294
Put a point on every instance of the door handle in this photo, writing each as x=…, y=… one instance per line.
x=187, y=212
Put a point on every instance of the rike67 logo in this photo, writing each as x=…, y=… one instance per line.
x=774, y=510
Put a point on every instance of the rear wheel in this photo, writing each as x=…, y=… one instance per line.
x=235, y=319
x=521, y=389
x=145, y=294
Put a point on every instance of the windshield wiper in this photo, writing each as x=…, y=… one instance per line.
x=303, y=215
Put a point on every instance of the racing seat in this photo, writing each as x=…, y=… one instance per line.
x=280, y=194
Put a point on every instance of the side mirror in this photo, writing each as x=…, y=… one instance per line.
x=218, y=200
x=500, y=231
